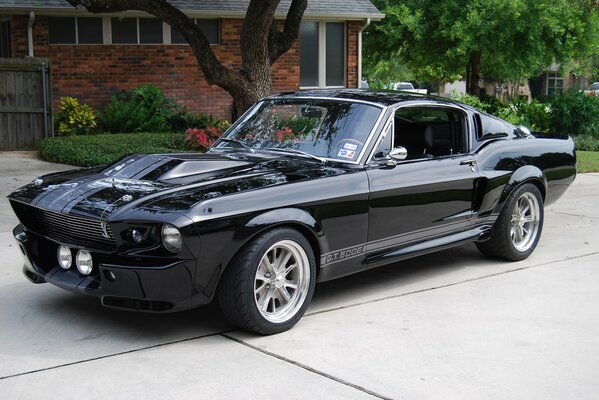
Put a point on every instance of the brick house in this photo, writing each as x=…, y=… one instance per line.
x=93, y=56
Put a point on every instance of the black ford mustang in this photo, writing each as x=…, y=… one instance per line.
x=305, y=187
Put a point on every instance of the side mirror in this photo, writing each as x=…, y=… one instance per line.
x=399, y=153
x=524, y=131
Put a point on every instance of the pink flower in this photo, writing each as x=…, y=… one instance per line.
x=202, y=138
x=283, y=134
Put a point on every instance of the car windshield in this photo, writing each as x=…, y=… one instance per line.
x=325, y=129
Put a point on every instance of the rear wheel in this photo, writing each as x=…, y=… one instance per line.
x=268, y=286
x=518, y=228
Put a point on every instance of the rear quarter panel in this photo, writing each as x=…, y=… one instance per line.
x=505, y=164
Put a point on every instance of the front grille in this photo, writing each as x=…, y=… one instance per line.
x=65, y=228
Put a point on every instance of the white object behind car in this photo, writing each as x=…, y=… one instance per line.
x=407, y=87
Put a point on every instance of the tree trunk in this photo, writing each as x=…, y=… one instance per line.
x=473, y=74
x=261, y=43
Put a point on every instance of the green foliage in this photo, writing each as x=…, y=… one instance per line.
x=575, y=113
x=87, y=151
x=185, y=119
x=381, y=73
x=473, y=101
x=516, y=38
x=534, y=115
x=587, y=143
x=146, y=109
x=74, y=118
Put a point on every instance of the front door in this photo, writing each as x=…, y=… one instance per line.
x=429, y=196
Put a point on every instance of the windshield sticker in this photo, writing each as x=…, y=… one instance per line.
x=344, y=153
x=350, y=146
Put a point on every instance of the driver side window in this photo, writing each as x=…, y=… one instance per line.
x=429, y=132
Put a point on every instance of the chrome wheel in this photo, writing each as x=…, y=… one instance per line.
x=282, y=281
x=525, y=222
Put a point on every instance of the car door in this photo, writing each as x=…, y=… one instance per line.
x=424, y=198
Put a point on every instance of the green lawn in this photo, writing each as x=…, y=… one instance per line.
x=588, y=161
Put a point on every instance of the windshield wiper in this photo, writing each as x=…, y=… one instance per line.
x=239, y=142
x=295, y=151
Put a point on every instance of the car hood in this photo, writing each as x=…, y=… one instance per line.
x=164, y=182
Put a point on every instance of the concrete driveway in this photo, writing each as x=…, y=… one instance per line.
x=453, y=325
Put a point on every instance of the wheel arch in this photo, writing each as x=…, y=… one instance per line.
x=523, y=175
x=294, y=218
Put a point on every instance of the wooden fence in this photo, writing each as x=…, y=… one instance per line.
x=25, y=102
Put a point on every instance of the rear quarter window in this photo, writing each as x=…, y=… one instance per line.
x=494, y=127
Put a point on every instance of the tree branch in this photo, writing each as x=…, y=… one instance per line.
x=281, y=41
x=214, y=71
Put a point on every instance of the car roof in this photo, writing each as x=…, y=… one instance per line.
x=382, y=97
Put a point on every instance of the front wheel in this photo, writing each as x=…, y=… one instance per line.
x=518, y=228
x=269, y=284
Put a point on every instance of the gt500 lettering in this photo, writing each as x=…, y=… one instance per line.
x=340, y=255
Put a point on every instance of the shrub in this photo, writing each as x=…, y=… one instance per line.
x=87, y=151
x=470, y=100
x=146, y=109
x=534, y=115
x=575, y=113
x=201, y=139
x=185, y=119
x=587, y=143
x=74, y=118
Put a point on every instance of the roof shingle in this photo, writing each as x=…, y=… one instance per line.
x=329, y=8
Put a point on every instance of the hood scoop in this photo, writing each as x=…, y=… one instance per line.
x=192, y=168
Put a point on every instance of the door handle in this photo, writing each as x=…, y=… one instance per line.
x=471, y=162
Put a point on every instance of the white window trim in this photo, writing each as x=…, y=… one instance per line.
x=322, y=56
x=166, y=33
x=553, y=76
x=107, y=26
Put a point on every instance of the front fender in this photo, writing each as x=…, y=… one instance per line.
x=284, y=216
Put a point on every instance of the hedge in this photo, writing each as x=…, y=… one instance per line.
x=92, y=150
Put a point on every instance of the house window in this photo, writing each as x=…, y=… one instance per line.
x=75, y=30
x=62, y=30
x=150, y=30
x=210, y=27
x=555, y=83
x=90, y=30
x=124, y=30
x=136, y=31
x=322, y=54
x=5, y=39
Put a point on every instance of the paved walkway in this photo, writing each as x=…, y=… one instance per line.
x=452, y=325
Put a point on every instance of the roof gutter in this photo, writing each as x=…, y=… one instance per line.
x=366, y=23
x=30, y=32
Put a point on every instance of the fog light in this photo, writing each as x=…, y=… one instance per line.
x=65, y=258
x=171, y=237
x=85, y=263
x=136, y=236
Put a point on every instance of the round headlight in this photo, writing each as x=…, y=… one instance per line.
x=171, y=238
x=65, y=258
x=84, y=261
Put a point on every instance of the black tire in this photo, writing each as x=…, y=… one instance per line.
x=504, y=242
x=252, y=277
